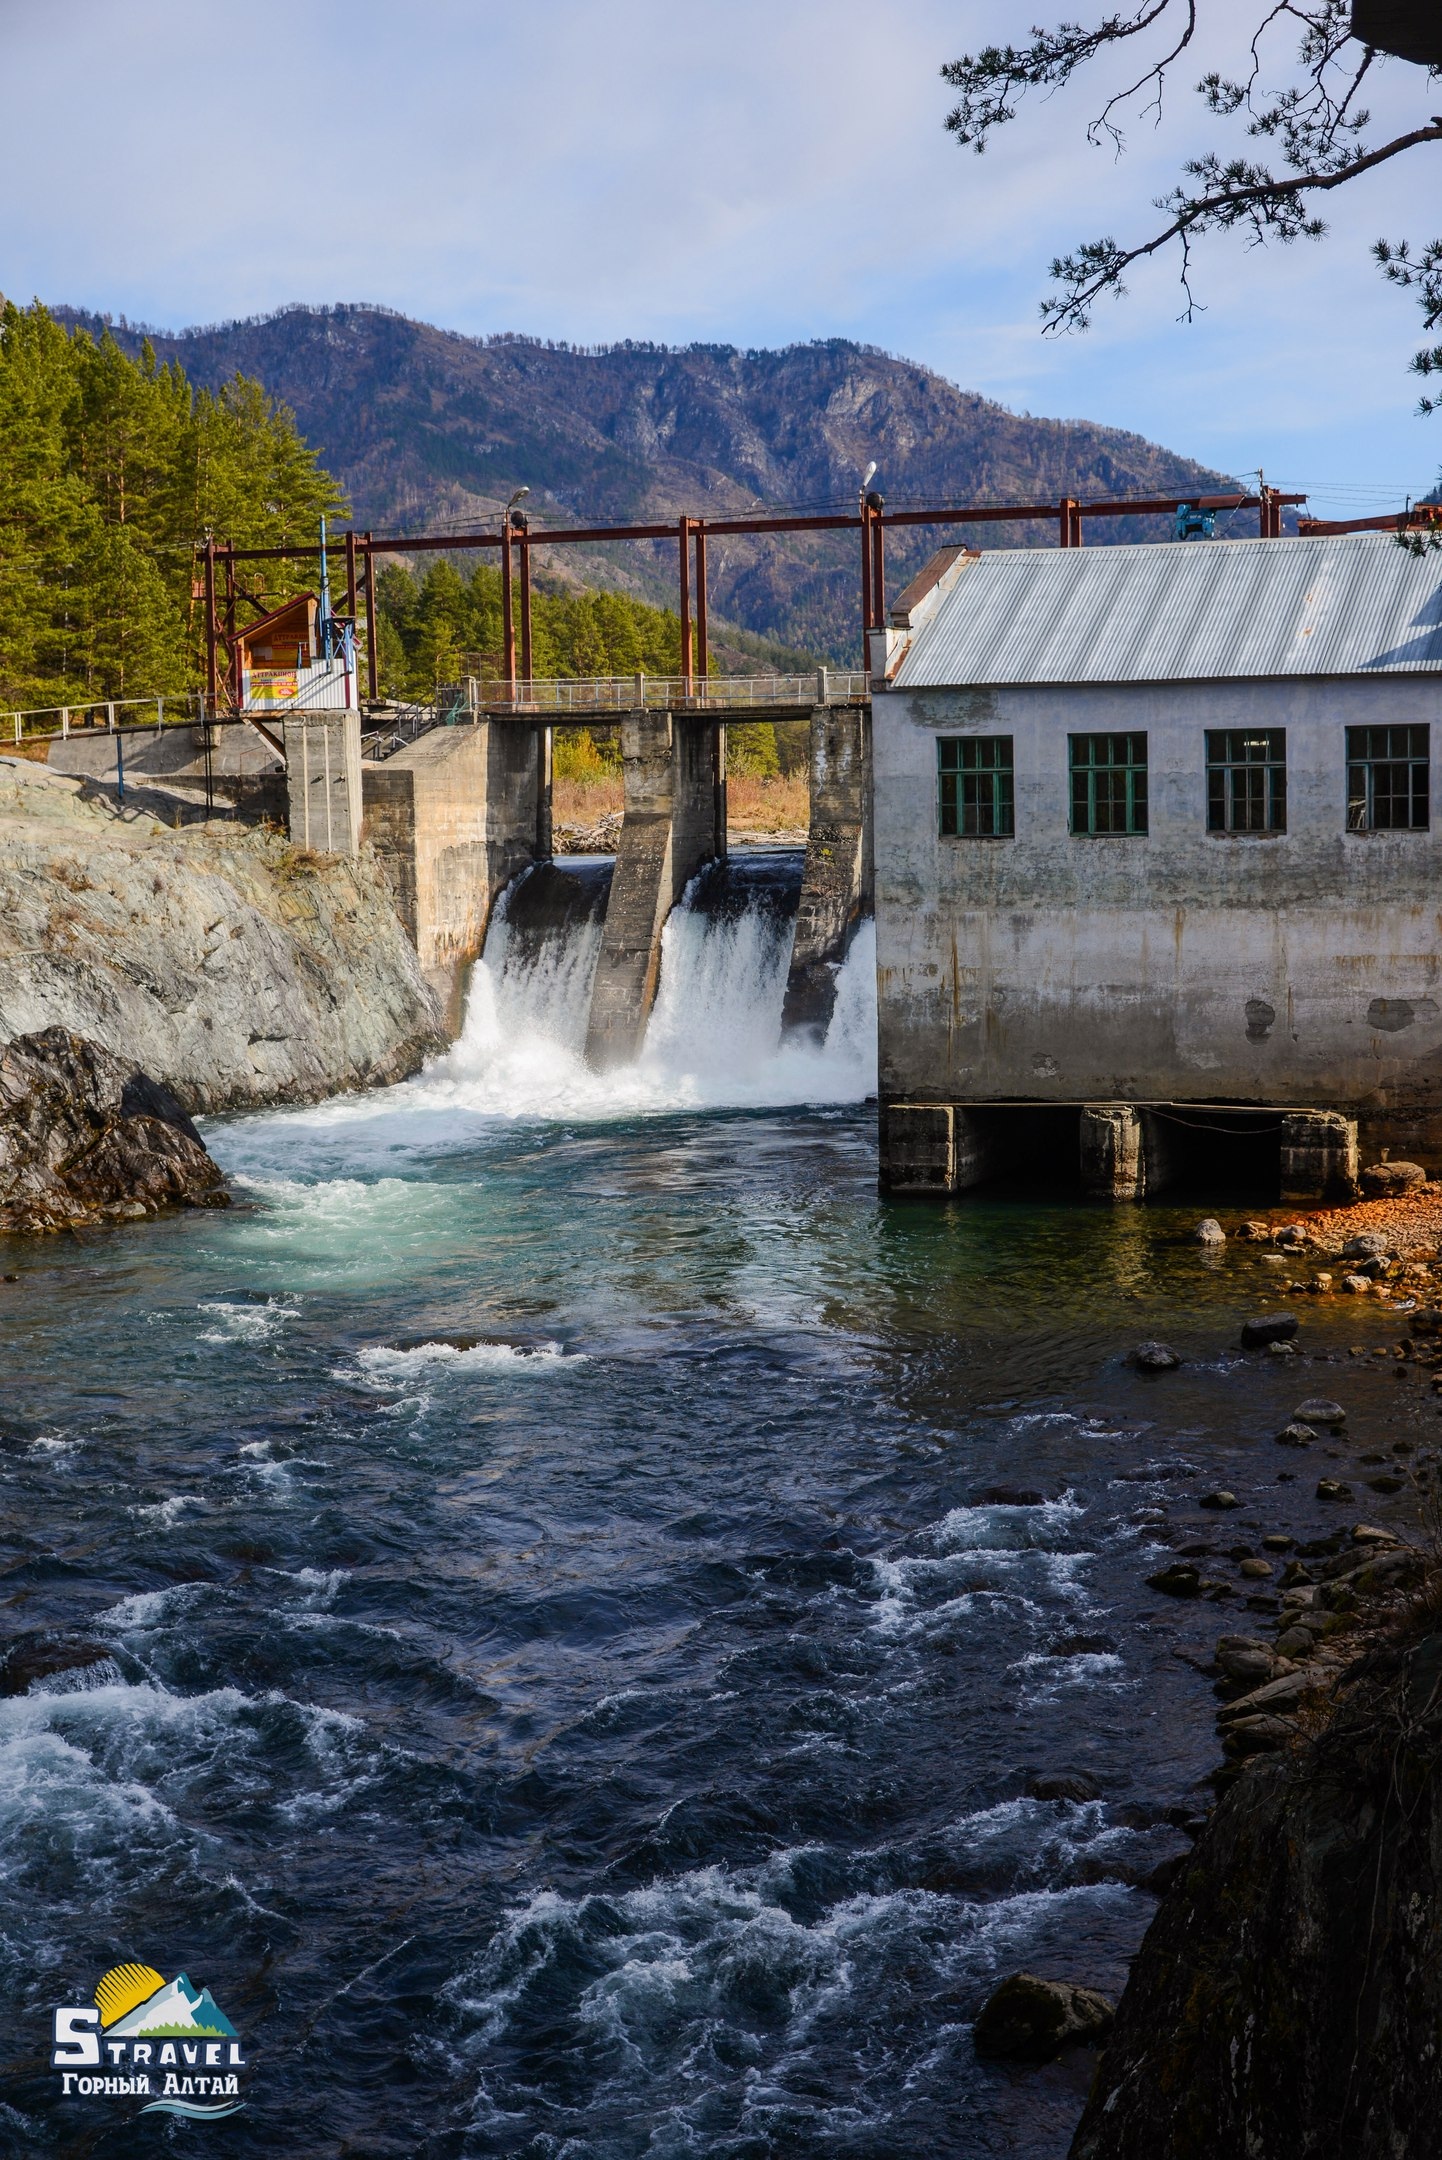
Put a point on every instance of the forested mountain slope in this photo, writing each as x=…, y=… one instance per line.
x=421, y=425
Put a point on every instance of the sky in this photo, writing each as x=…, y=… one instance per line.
x=751, y=172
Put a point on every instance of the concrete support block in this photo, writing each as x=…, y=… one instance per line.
x=674, y=822
x=454, y=817
x=1319, y=1156
x=836, y=885
x=323, y=780
x=918, y=1147
x=932, y=1148
x=1113, y=1152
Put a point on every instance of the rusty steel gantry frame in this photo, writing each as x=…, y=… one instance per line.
x=690, y=534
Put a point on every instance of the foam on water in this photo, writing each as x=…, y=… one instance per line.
x=385, y=1367
x=713, y=1042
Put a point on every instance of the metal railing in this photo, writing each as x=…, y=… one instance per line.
x=48, y=721
x=631, y=693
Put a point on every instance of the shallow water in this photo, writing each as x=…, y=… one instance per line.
x=587, y=1591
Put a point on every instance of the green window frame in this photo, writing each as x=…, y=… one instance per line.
x=1109, y=783
x=1246, y=780
x=1388, y=778
x=976, y=787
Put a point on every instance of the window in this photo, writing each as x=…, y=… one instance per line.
x=1108, y=783
x=1387, y=779
x=1246, y=780
x=974, y=777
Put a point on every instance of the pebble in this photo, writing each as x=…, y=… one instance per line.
x=1155, y=1357
x=1296, y=1435
x=1317, y=1410
x=1275, y=1541
x=1333, y=1489
x=1264, y=1328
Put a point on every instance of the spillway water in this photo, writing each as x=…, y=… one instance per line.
x=586, y=1589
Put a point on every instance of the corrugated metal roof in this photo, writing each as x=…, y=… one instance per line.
x=1194, y=610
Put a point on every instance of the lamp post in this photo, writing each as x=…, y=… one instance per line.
x=508, y=627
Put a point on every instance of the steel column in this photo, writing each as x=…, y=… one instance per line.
x=527, y=668
x=684, y=529
x=350, y=588
x=703, y=647
x=508, y=627
x=212, y=669
x=372, y=624
x=865, y=585
x=878, y=570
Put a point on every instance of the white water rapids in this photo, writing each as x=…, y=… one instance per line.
x=714, y=1039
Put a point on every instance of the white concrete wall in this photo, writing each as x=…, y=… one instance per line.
x=1298, y=968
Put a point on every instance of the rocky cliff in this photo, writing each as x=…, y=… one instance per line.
x=1287, y=2000
x=228, y=963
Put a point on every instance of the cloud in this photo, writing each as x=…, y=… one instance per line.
x=751, y=171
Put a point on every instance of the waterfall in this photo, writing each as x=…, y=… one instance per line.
x=714, y=1038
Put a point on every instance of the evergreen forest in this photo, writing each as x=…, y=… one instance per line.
x=112, y=472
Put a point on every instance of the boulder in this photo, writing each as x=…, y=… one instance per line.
x=1255, y=1570
x=1384, y=1180
x=1266, y=1328
x=1297, y=1434
x=1222, y=1500
x=35, y=1659
x=1029, y=2019
x=1210, y=1232
x=88, y=1138
x=1259, y=1735
x=1333, y=1489
x=1367, y=1245
x=1064, y=1785
x=1317, y=1410
x=1155, y=1357
x=1246, y=1658
x=1181, y=1579
x=1357, y=1285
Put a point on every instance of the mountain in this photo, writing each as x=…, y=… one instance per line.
x=176, y=2008
x=425, y=426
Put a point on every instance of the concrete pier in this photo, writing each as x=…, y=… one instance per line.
x=323, y=780
x=1319, y=1156
x=455, y=816
x=836, y=885
x=674, y=770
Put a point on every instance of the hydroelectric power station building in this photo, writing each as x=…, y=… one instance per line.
x=1158, y=862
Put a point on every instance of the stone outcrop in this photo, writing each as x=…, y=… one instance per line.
x=86, y=1138
x=233, y=965
x=1029, y=2019
x=1287, y=1999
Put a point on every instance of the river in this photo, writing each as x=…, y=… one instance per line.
x=588, y=1587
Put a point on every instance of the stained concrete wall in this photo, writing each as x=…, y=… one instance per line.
x=1302, y=969
x=323, y=780
x=836, y=883
x=675, y=821
x=454, y=817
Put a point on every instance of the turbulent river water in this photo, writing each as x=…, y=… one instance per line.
x=588, y=1587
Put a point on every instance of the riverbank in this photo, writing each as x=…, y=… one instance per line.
x=234, y=967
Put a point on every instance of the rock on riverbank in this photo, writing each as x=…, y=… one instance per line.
x=86, y=1138
x=1287, y=1998
x=233, y=966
